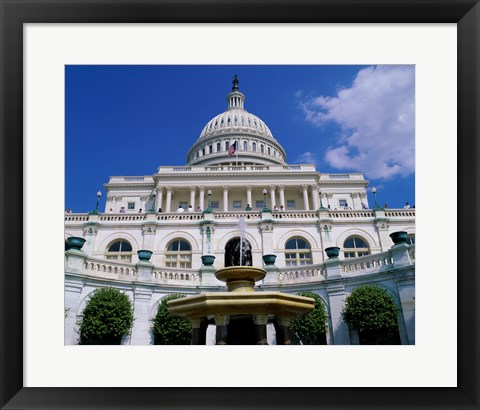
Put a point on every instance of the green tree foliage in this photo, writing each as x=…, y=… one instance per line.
x=168, y=329
x=371, y=311
x=107, y=317
x=311, y=328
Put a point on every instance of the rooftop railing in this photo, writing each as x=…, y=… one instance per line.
x=254, y=215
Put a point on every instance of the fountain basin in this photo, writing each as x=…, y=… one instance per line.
x=237, y=303
x=240, y=278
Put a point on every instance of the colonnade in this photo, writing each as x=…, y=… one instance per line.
x=275, y=196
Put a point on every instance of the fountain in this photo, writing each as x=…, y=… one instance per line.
x=241, y=314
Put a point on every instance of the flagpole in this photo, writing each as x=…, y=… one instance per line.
x=237, y=154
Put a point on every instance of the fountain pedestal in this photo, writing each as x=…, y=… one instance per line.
x=241, y=314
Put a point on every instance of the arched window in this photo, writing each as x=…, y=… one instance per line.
x=269, y=151
x=411, y=239
x=227, y=145
x=245, y=145
x=179, y=254
x=297, y=252
x=254, y=146
x=262, y=149
x=353, y=247
x=120, y=250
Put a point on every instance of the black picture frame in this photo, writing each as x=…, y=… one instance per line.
x=14, y=13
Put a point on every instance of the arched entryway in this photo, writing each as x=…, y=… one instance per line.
x=232, y=252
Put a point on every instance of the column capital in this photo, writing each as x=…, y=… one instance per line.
x=169, y=189
x=159, y=188
x=201, y=188
x=281, y=187
x=304, y=187
x=272, y=187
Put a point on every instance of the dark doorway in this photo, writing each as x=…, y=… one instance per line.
x=241, y=331
x=232, y=252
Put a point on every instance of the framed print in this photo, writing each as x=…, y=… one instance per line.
x=41, y=41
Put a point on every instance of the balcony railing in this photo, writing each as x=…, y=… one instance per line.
x=255, y=215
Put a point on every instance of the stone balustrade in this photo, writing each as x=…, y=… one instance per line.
x=361, y=214
x=400, y=213
x=243, y=168
x=295, y=215
x=248, y=215
x=374, y=262
x=302, y=274
x=122, y=217
x=100, y=266
x=80, y=218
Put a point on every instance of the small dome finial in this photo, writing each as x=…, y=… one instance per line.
x=235, y=83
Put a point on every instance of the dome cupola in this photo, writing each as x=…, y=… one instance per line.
x=253, y=139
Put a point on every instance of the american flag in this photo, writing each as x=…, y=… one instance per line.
x=232, y=149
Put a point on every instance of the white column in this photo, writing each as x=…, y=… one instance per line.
x=225, y=199
x=168, y=206
x=201, y=199
x=314, y=192
x=159, y=198
x=141, y=308
x=249, y=196
x=192, y=198
x=281, y=189
x=340, y=331
x=305, y=197
x=272, y=196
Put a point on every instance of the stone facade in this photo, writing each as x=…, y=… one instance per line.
x=286, y=201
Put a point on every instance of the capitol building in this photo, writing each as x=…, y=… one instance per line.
x=238, y=189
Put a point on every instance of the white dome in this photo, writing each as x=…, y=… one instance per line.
x=236, y=120
x=252, y=138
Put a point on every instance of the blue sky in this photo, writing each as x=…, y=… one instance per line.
x=128, y=120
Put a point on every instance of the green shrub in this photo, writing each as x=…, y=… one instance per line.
x=311, y=328
x=168, y=329
x=107, y=317
x=371, y=311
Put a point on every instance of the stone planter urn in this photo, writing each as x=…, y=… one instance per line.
x=75, y=242
x=399, y=237
x=144, y=255
x=269, y=259
x=332, y=252
x=208, y=260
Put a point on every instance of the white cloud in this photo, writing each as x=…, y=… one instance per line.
x=377, y=118
x=306, y=158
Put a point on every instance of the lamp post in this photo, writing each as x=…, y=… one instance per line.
x=265, y=207
x=209, y=208
x=374, y=192
x=96, y=211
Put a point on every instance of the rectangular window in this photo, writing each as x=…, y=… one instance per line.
x=210, y=149
x=237, y=204
x=183, y=205
x=290, y=203
x=131, y=205
x=259, y=204
x=215, y=204
x=227, y=145
x=218, y=147
x=203, y=152
x=342, y=203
